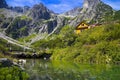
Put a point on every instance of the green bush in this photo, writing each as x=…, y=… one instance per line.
x=97, y=45
x=117, y=15
x=12, y=73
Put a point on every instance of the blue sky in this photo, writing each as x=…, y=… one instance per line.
x=60, y=6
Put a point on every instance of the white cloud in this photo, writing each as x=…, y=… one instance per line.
x=65, y=5
x=59, y=7
x=23, y=2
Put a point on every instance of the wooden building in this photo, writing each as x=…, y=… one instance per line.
x=81, y=27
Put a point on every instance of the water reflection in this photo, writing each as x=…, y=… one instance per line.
x=59, y=70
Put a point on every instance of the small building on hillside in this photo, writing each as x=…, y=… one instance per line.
x=80, y=27
x=84, y=26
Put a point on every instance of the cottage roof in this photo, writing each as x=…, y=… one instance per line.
x=82, y=24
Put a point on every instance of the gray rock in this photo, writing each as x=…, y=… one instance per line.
x=18, y=27
x=18, y=9
x=26, y=9
x=92, y=10
x=91, y=4
x=3, y=4
x=5, y=62
x=74, y=12
x=39, y=11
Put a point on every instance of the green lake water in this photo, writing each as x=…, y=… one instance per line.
x=59, y=70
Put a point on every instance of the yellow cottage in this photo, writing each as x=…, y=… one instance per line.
x=82, y=26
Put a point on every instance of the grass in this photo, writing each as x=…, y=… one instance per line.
x=28, y=38
x=5, y=47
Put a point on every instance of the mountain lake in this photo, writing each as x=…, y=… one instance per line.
x=60, y=70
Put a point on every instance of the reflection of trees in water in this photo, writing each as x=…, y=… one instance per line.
x=60, y=75
x=45, y=70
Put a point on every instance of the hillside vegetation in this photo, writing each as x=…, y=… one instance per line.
x=18, y=27
x=12, y=73
x=7, y=48
x=97, y=45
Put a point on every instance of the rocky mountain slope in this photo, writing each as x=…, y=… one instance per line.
x=73, y=13
x=93, y=11
x=12, y=41
x=36, y=20
x=3, y=4
x=19, y=22
x=39, y=11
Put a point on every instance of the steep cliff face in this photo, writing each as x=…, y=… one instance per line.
x=3, y=4
x=17, y=9
x=93, y=10
x=89, y=9
x=90, y=4
x=74, y=12
x=19, y=27
x=39, y=11
x=45, y=21
x=18, y=22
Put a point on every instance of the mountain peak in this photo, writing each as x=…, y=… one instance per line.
x=3, y=4
x=40, y=5
x=39, y=11
x=90, y=3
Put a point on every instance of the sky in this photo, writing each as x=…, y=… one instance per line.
x=60, y=6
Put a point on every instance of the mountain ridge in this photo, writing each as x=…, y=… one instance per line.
x=40, y=20
x=47, y=32
x=3, y=4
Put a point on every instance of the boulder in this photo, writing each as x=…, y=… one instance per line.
x=6, y=62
